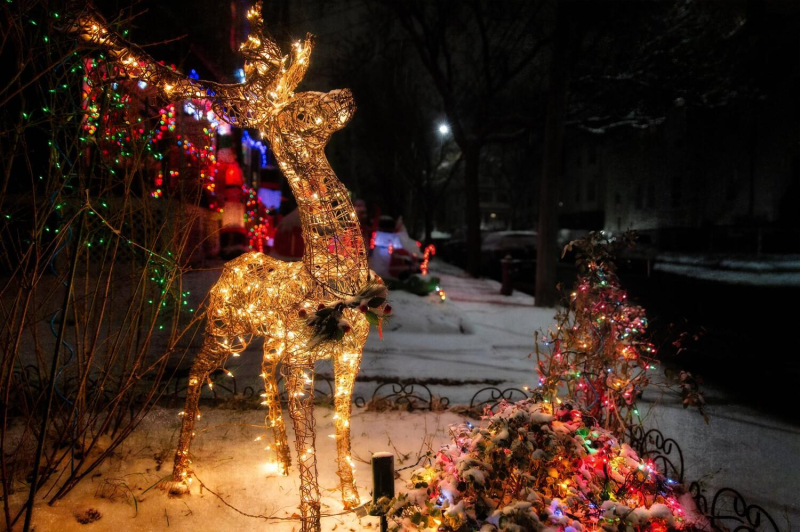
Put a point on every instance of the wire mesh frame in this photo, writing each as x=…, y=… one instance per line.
x=257, y=296
x=490, y=397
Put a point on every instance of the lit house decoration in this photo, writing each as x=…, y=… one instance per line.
x=320, y=308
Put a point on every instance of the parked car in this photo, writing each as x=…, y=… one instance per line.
x=394, y=254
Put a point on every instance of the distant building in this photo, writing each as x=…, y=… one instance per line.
x=706, y=179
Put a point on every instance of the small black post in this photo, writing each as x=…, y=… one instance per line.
x=507, y=287
x=382, y=481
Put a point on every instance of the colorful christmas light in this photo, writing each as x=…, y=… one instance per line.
x=599, y=355
x=430, y=251
x=535, y=468
x=254, y=144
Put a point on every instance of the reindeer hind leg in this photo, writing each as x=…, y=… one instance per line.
x=269, y=368
x=209, y=359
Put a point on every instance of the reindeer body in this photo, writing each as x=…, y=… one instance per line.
x=258, y=296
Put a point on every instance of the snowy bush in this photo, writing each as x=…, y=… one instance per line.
x=529, y=468
x=600, y=356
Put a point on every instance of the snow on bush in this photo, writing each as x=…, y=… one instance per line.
x=599, y=356
x=528, y=469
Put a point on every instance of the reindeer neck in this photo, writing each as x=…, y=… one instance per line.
x=334, y=250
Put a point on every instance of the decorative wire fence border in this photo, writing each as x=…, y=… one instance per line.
x=728, y=511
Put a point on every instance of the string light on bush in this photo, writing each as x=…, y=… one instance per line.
x=600, y=353
x=567, y=476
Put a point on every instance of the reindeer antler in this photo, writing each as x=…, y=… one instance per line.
x=262, y=54
x=270, y=77
x=265, y=65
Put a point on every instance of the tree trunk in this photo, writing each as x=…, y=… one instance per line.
x=472, y=159
x=428, y=237
x=552, y=167
x=428, y=205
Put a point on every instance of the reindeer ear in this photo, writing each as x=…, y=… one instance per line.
x=292, y=73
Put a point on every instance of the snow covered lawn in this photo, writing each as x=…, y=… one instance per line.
x=770, y=270
x=231, y=463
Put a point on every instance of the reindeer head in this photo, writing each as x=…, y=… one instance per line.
x=307, y=118
x=310, y=118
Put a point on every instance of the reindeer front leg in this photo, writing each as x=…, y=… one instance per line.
x=269, y=367
x=299, y=374
x=345, y=368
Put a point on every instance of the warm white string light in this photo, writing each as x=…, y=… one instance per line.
x=307, y=311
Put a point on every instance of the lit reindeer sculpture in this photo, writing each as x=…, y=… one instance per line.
x=320, y=308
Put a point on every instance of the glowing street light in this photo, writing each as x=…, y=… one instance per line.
x=444, y=129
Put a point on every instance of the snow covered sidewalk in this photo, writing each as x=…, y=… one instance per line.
x=476, y=338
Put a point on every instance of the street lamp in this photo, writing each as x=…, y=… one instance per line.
x=444, y=129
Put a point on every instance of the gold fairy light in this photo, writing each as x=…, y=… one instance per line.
x=320, y=308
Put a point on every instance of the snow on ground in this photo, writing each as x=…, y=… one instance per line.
x=474, y=338
x=479, y=336
x=476, y=335
x=740, y=448
x=229, y=461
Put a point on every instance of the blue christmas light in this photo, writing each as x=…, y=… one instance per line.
x=254, y=144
